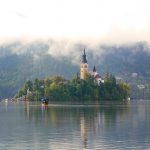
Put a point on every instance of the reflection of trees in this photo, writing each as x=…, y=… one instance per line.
x=96, y=119
x=58, y=114
x=55, y=115
x=90, y=120
x=109, y=113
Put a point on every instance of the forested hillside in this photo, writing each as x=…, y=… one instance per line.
x=21, y=62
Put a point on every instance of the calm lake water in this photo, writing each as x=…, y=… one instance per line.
x=29, y=126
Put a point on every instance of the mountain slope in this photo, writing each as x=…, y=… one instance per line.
x=19, y=63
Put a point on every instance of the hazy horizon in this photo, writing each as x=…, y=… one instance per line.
x=114, y=22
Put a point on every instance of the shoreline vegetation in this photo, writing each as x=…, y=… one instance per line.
x=58, y=88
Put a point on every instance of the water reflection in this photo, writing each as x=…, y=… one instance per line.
x=90, y=121
x=83, y=131
x=94, y=126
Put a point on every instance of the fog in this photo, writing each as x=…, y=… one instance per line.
x=68, y=47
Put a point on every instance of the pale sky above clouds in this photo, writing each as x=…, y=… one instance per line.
x=114, y=19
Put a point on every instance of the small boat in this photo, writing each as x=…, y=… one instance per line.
x=44, y=101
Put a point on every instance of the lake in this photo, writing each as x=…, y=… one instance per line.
x=108, y=125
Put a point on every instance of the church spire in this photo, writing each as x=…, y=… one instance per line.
x=94, y=69
x=84, y=60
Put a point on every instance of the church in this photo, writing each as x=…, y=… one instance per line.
x=84, y=70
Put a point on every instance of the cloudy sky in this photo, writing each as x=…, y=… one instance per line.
x=104, y=19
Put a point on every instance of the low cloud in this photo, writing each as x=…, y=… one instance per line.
x=64, y=47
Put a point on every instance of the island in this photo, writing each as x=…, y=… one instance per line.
x=59, y=89
x=88, y=86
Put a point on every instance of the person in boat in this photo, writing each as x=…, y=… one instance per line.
x=44, y=100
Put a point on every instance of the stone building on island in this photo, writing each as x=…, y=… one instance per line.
x=84, y=70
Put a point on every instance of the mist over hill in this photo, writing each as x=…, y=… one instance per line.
x=20, y=61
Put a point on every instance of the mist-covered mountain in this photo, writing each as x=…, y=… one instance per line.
x=23, y=61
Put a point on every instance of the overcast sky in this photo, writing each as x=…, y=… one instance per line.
x=104, y=19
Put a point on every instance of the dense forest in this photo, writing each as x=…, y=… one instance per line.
x=60, y=89
x=21, y=62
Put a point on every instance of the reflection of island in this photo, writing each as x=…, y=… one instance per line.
x=95, y=121
x=113, y=125
x=83, y=131
x=91, y=121
x=98, y=113
x=27, y=109
x=93, y=125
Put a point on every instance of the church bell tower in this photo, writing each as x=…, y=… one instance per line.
x=83, y=67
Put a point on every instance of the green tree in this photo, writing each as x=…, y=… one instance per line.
x=60, y=89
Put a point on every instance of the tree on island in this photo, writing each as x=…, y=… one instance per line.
x=59, y=89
